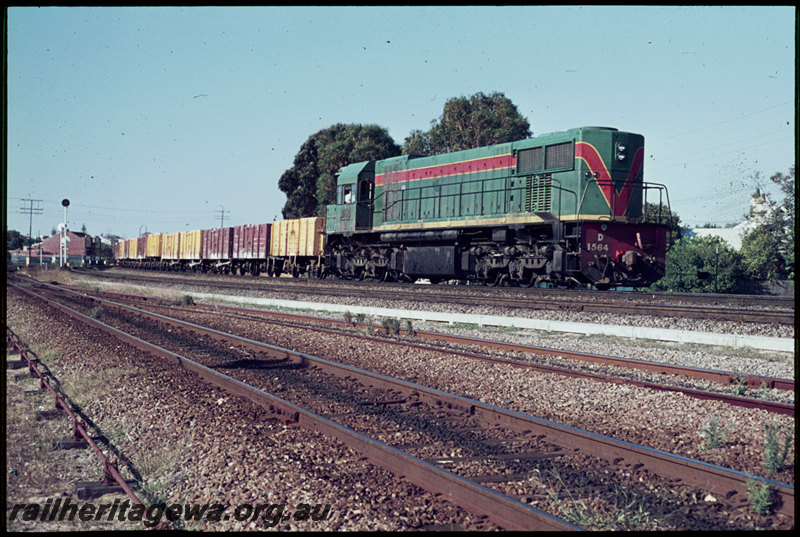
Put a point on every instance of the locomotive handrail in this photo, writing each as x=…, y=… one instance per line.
x=662, y=190
x=404, y=196
x=644, y=187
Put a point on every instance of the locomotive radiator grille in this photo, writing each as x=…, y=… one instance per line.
x=537, y=193
x=529, y=160
x=558, y=156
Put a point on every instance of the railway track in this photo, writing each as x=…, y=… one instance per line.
x=770, y=310
x=400, y=393
x=667, y=372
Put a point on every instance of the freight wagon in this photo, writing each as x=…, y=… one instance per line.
x=291, y=247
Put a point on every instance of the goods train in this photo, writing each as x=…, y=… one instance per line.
x=561, y=209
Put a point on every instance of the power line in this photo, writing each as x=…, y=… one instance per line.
x=221, y=213
x=30, y=211
x=723, y=122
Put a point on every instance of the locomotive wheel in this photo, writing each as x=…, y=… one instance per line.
x=495, y=282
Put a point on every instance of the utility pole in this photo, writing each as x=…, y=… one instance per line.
x=221, y=213
x=30, y=211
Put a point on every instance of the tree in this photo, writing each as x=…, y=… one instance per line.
x=14, y=240
x=785, y=221
x=469, y=122
x=702, y=265
x=762, y=258
x=310, y=184
x=768, y=250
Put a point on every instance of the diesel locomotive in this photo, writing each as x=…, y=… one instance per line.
x=562, y=209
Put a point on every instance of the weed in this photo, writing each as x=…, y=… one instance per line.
x=714, y=435
x=368, y=326
x=774, y=456
x=392, y=326
x=348, y=317
x=760, y=496
x=360, y=317
x=741, y=386
x=96, y=312
x=409, y=328
x=187, y=300
x=625, y=509
x=158, y=472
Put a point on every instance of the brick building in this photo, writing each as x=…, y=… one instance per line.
x=80, y=248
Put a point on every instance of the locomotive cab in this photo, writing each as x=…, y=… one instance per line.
x=355, y=189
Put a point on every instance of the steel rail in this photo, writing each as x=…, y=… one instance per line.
x=715, y=375
x=723, y=377
x=507, y=512
x=746, y=402
x=727, y=483
x=533, y=302
x=110, y=469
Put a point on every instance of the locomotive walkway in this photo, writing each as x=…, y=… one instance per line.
x=632, y=332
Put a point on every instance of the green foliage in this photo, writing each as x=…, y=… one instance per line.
x=768, y=250
x=762, y=258
x=689, y=258
x=392, y=326
x=774, y=454
x=713, y=435
x=760, y=496
x=14, y=240
x=410, y=328
x=468, y=122
x=310, y=184
x=741, y=386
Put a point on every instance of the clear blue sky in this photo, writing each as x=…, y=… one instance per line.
x=158, y=118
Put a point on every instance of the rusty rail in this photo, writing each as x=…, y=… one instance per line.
x=110, y=469
x=723, y=377
x=730, y=484
x=536, y=299
x=507, y=512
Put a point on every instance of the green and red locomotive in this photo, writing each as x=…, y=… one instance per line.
x=563, y=208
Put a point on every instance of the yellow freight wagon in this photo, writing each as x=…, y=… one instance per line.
x=303, y=237
x=171, y=246
x=133, y=248
x=191, y=245
x=154, y=245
